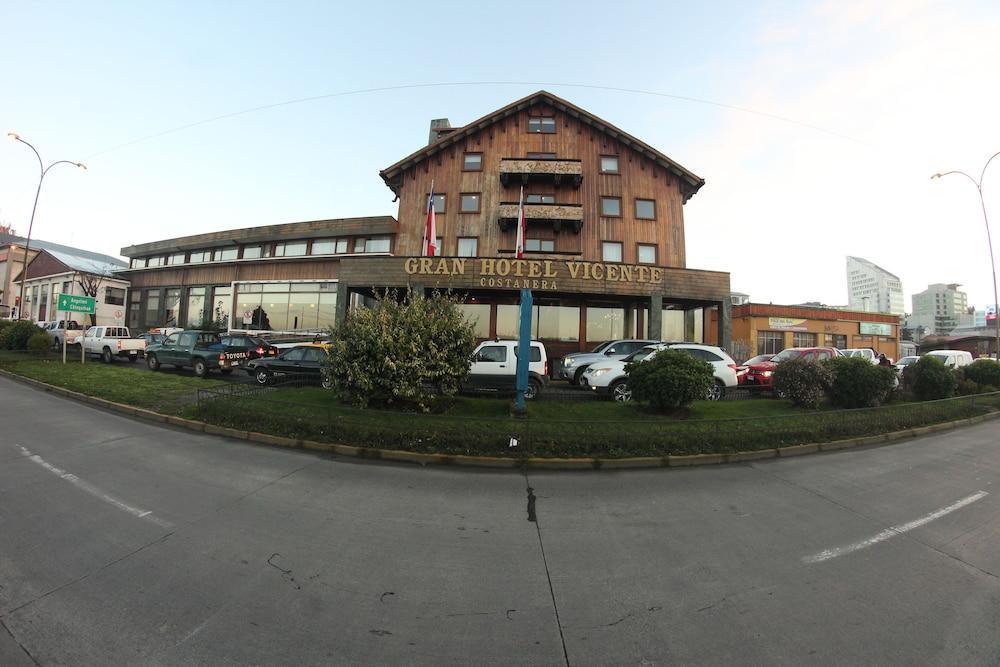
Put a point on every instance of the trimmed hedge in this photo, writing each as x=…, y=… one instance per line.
x=930, y=379
x=803, y=382
x=670, y=379
x=984, y=373
x=857, y=383
x=15, y=336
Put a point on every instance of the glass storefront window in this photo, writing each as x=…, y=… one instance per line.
x=172, y=308
x=302, y=310
x=478, y=314
x=327, y=308
x=152, y=308
x=770, y=342
x=134, y=305
x=605, y=323
x=672, y=325
x=196, y=308
x=803, y=339
x=286, y=306
x=222, y=305
x=557, y=323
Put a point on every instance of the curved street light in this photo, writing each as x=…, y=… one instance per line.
x=989, y=240
x=42, y=171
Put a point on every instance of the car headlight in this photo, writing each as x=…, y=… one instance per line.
x=766, y=374
x=597, y=372
x=567, y=362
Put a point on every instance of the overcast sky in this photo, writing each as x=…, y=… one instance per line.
x=877, y=96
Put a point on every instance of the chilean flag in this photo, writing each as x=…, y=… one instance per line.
x=521, y=227
x=430, y=231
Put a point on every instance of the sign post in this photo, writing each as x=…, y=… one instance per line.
x=69, y=304
x=523, y=350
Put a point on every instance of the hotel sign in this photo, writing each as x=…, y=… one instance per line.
x=538, y=274
x=876, y=329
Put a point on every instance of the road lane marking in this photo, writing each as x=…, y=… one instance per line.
x=84, y=485
x=893, y=531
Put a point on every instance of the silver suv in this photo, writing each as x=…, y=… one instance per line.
x=573, y=365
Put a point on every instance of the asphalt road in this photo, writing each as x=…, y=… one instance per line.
x=122, y=542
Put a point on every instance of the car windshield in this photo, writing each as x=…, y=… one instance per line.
x=640, y=354
x=758, y=359
x=601, y=346
x=785, y=355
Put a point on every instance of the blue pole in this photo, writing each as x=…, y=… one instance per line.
x=523, y=350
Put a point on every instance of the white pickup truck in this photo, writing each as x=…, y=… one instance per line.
x=68, y=329
x=111, y=342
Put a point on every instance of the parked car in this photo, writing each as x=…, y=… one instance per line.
x=305, y=361
x=759, y=374
x=901, y=365
x=952, y=358
x=610, y=377
x=68, y=330
x=111, y=342
x=494, y=368
x=742, y=369
x=864, y=352
x=574, y=364
x=254, y=347
x=149, y=338
x=202, y=351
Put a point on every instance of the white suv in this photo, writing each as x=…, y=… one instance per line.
x=494, y=368
x=609, y=377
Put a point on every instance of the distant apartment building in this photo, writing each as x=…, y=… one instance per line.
x=872, y=289
x=939, y=309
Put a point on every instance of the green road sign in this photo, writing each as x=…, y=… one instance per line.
x=77, y=304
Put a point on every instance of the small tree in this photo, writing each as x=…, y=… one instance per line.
x=930, y=379
x=857, y=383
x=803, y=382
x=90, y=283
x=985, y=373
x=670, y=379
x=401, y=352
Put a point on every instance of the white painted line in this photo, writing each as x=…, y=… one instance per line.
x=94, y=491
x=893, y=531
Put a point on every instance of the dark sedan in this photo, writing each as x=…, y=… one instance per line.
x=303, y=362
x=256, y=348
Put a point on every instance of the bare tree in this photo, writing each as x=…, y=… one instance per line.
x=90, y=283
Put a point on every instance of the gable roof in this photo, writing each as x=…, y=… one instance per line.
x=691, y=182
x=75, y=259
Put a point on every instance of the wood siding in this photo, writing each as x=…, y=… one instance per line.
x=638, y=177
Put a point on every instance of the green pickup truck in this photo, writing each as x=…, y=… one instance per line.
x=202, y=351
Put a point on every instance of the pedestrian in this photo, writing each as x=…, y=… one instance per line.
x=883, y=360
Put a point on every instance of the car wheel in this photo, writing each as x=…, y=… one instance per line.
x=533, y=390
x=780, y=394
x=327, y=381
x=715, y=392
x=153, y=363
x=199, y=367
x=621, y=392
x=106, y=356
x=263, y=377
x=578, y=375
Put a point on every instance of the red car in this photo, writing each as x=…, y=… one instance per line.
x=759, y=374
x=744, y=368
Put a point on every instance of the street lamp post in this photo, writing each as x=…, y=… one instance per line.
x=989, y=240
x=42, y=171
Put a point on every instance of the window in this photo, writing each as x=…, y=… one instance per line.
x=290, y=249
x=540, y=199
x=541, y=156
x=153, y=308
x=175, y=259
x=114, y=296
x=251, y=252
x=195, y=307
x=496, y=354
x=611, y=251
x=468, y=247
x=154, y=261
x=439, y=203
x=611, y=207
x=647, y=254
x=136, y=263
x=329, y=247
x=542, y=124
x=470, y=203
x=221, y=306
x=172, y=307
x=770, y=342
x=539, y=245
x=380, y=244
x=803, y=339
x=199, y=256
x=609, y=164
x=605, y=323
x=645, y=209
x=472, y=162
x=838, y=341
x=478, y=315
x=224, y=254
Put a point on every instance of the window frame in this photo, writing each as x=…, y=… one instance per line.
x=465, y=156
x=442, y=198
x=479, y=202
x=475, y=250
x=540, y=155
x=621, y=251
x=600, y=164
x=611, y=198
x=638, y=253
x=635, y=208
x=541, y=197
x=540, y=120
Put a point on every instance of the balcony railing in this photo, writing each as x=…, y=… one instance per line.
x=515, y=171
x=557, y=215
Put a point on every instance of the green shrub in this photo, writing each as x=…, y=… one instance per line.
x=930, y=379
x=803, y=382
x=15, y=337
x=982, y=372
x=39, y=343
x=857, y=383
x=401, y=352
x=670, y=379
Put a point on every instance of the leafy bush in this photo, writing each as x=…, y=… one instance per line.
x=39, y=343
x=857, y=383
x=984, y=373
x=670, y=379
x=15, y=336
x=803, y=382
x=399, y=352
x=930, y=379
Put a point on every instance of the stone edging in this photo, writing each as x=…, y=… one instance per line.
x=535, y=463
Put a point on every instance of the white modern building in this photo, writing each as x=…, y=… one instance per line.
x=78, y=272
x=872, y=289
x=939, y=309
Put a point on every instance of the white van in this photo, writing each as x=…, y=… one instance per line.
x=952, y=358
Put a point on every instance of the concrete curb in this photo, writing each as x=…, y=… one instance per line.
x=533, y=463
